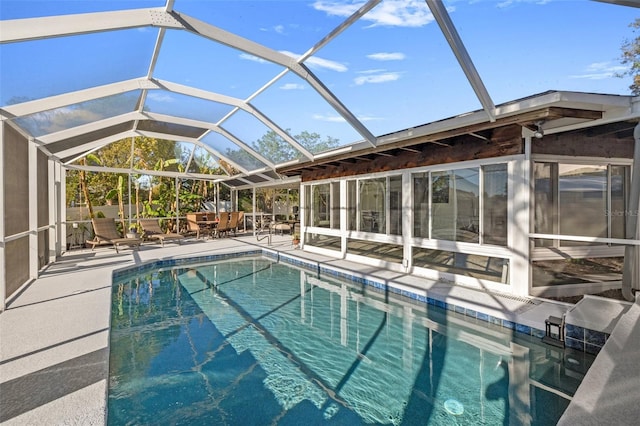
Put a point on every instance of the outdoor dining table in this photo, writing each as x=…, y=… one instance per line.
x=209, y=225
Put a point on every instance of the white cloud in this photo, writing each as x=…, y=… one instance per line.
x=316, y=63
x=332, y=118
x=160, y=97
x=397, y=13
x=254, y=58
x=279, y=29
x=507, y=3
x=375, y=78
x=386, y=56
x=373, y=71
x=600, y=71
x=364, y=118
x=292, y=86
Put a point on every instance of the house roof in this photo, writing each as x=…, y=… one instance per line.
x=221, y=79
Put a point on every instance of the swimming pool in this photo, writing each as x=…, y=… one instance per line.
x=255, y=341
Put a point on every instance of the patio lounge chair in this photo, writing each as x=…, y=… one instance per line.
x=152, y=230
x=106, y=233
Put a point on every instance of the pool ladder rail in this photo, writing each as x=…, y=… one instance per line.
x=260, y=236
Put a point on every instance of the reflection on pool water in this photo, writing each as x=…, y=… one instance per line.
x=255, y=342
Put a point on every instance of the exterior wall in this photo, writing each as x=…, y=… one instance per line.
x=598, y=145
x=394, y=250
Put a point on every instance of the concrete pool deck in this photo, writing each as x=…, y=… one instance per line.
x=54, y=335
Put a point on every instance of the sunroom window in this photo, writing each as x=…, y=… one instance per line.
x=467, y=205
x=580, y=200
x=325, y=205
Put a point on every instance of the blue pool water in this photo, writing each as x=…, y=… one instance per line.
x=255, y=342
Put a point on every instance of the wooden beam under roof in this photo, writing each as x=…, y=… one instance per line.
x=524, y=119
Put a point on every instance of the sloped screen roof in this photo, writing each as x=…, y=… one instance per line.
x=256, y=85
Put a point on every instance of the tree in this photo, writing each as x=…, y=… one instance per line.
x=273, y=147
x=631, y=58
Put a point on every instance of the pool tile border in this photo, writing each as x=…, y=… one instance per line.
x=584, y=339
x=334, y=272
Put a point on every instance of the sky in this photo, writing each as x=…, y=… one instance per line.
x=393, y=69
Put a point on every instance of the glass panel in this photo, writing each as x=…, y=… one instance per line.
x=396, y=48
x=67, y=117
x=455, y=205
x=307, y=205
x=324, y=241
x=582, y=188
x=179, y=105
x=372, y=205
x=211, y=66
x=545, y=176
x=576, y=271
x=335, y=205
x=375, y=250
x=470, y=265
x=295, y=105
x=281, y=25
x=421, y=205
x=47, y=67
x=320, y=205
x=352, y=201
x=395, y=205
x=203, y=161
x=619, y=210
x=116, y=154
x=467, y=190
x=160, y=154
x=494, y=213
x=263, y=140
x=232, y=152
x=442, y=206
x=178, y=131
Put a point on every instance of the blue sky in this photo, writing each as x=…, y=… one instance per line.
x=393, y=69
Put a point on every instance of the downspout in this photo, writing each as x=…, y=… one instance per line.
x=631, y=270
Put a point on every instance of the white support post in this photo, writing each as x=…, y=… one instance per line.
x=407, y=219
x=217, y=192
x=62, y=207
x=254, y=211
x=177, y=180
x=129, y=198
x=343, y=216
x=631, y=269
x=3, y=278
x=33, y=210
x=519, y=187
x=54, y=242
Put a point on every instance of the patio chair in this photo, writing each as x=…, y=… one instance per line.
x=223, y=224
x=193, y=227
x=153, y=231
x=106, y=233
x=233, y=222
x=241, y=220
